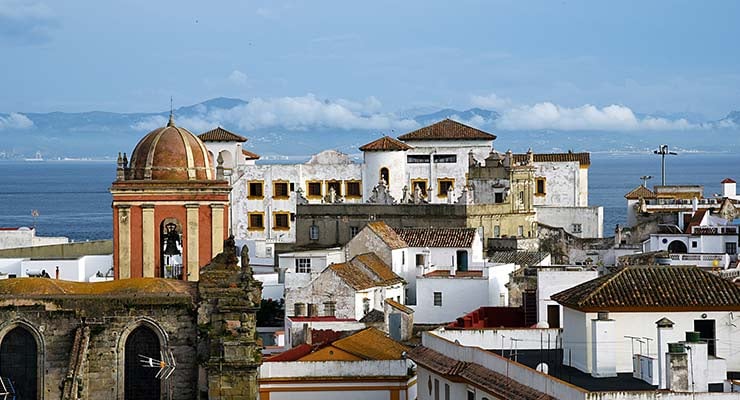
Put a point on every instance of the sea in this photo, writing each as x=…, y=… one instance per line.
x=71, y=197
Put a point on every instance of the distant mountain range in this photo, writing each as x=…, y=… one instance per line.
x=99, y=134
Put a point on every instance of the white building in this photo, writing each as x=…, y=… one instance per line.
x=555, y=280
x=428, y=165
x=624, y=322
x=11, y=238
x=92, y=268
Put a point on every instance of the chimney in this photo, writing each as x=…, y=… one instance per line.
x=677, y=364
x=665, y=329
x=729, y=188
x=603, y=337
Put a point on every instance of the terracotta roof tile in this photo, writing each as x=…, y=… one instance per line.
x=366, y=271
x=386, y=143
x=728, y=180
x=696, y=219
x=640, y=192
x=653, y=288
x=221, y=135
x=249, y=155
x=447, y=130
x=522, y=258
x=584, y=159
x=291, y=355
x=35, y=287
x=373, y=316
x=387, y=235
x=371, y=344
x=437, y=237
x=399, y=306
x=492, y=382
x=443, y=273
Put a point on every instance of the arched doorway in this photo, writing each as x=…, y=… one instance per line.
x=677, y=246
x=170, y=246
x=18, y=362
x=140, y=382
x=385, y=175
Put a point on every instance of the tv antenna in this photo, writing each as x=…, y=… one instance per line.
x=645, y=178
x=663, y=151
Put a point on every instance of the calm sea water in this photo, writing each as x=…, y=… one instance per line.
x=72, y=197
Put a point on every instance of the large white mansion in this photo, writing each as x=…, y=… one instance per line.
x=427, y=166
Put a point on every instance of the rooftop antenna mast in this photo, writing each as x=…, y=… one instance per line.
x=645, y=178
x=663, y=151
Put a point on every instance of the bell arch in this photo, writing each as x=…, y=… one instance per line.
x=171, y=249
x=22, y=358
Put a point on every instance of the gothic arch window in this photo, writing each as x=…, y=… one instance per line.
x=139, y=382
x=19, y=362
x=385, y=175
x=170, y=259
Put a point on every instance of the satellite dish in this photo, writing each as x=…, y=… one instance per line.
x=543, y=367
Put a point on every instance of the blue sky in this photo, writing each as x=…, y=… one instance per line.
x=377, y=56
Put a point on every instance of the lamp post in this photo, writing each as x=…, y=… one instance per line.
x=663, y=151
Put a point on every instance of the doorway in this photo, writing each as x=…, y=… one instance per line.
x=553, y=315
x=18, y=362
x=140, y=382
x=462, y=260
x=707, y=333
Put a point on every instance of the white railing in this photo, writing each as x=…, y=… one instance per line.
x=714, y=230
x=703, y=260
x=645, y=368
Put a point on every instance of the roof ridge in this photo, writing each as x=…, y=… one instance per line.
x=606, y=281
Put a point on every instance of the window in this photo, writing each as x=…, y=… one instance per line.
x=445, y=158
x=385, y=175
x=731, y=248
x=280, y=190
x=438, y=299
x=447, y=391
x=520, y=231
x=539, y=187
x=403, y=257
x=330, y=308
x=313, y=232
x=417, y=159
x=421, y=183
x=255, y=190
x=436, y=389
x=302, y=265
x=256, y=221
x=496, y=231
x=444, y=185
x=420, y=260
x=366, y=305
x=336, y=185
x=694, y=244
x=498, y=197
x=521, y=196
x=281, y=221
x=577, y=228
x=314, y=189
x=354, y=230
x=353, y=189
x=471, y=395
x=299, y=309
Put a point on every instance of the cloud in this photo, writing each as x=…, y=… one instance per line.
x=26, y=22
x=15, y=121
x=291, y=113
x=491, y=101
x=238, y=78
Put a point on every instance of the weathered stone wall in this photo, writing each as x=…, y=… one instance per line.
x=55, y=320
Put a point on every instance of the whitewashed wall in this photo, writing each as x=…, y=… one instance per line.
x=562, y=185
x=551, y=282
x=590, y=218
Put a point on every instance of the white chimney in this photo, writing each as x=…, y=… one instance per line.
x=665, y=329
x=604, y=352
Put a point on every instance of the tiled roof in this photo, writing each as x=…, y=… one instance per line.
x=249, y=155
x=522, y=258
x=386, y=143
x=696, y=219
x=492, y=382
x=366, y=271
x=728, y=180
x=387, y=235
x=447, y=130
x=437, y=237
x=291, y=355
x=443, y=273
x=584, y=159
x=373, y=316
x=371, y=344
x=640, y=192
x=399, y=306
x=655, y=288
x=221, y=135
x=37, y=287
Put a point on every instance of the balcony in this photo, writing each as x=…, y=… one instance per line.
x=714, y=230
x=702, y=260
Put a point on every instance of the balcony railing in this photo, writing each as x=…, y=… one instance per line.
x=714, y=230
x=704, y=260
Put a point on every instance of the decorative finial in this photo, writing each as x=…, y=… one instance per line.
x=172, y=118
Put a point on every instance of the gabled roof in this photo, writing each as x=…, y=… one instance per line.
x=654, y=288
x=374, y=316
x=398, y=306
x=640, y=192
x=387, y=235
x=728, y=180
x=365, y=271
x=447, y=130
x=584, y=159
x=249, y=155
x=493, y=382
x=221, y=135
x=292, y=354
x=696, y=219
x=523, y=258
x=371, y=344
x=437, y=237
x=386, y=143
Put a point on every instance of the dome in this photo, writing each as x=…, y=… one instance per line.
x=171, y=153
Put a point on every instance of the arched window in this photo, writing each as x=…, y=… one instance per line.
x=18, y=362
x=227, y=158
x=385, y=175
x=170, y=260
x=677, y=246
x=140, y=382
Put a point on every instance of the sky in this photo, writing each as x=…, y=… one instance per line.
x=542, y=64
